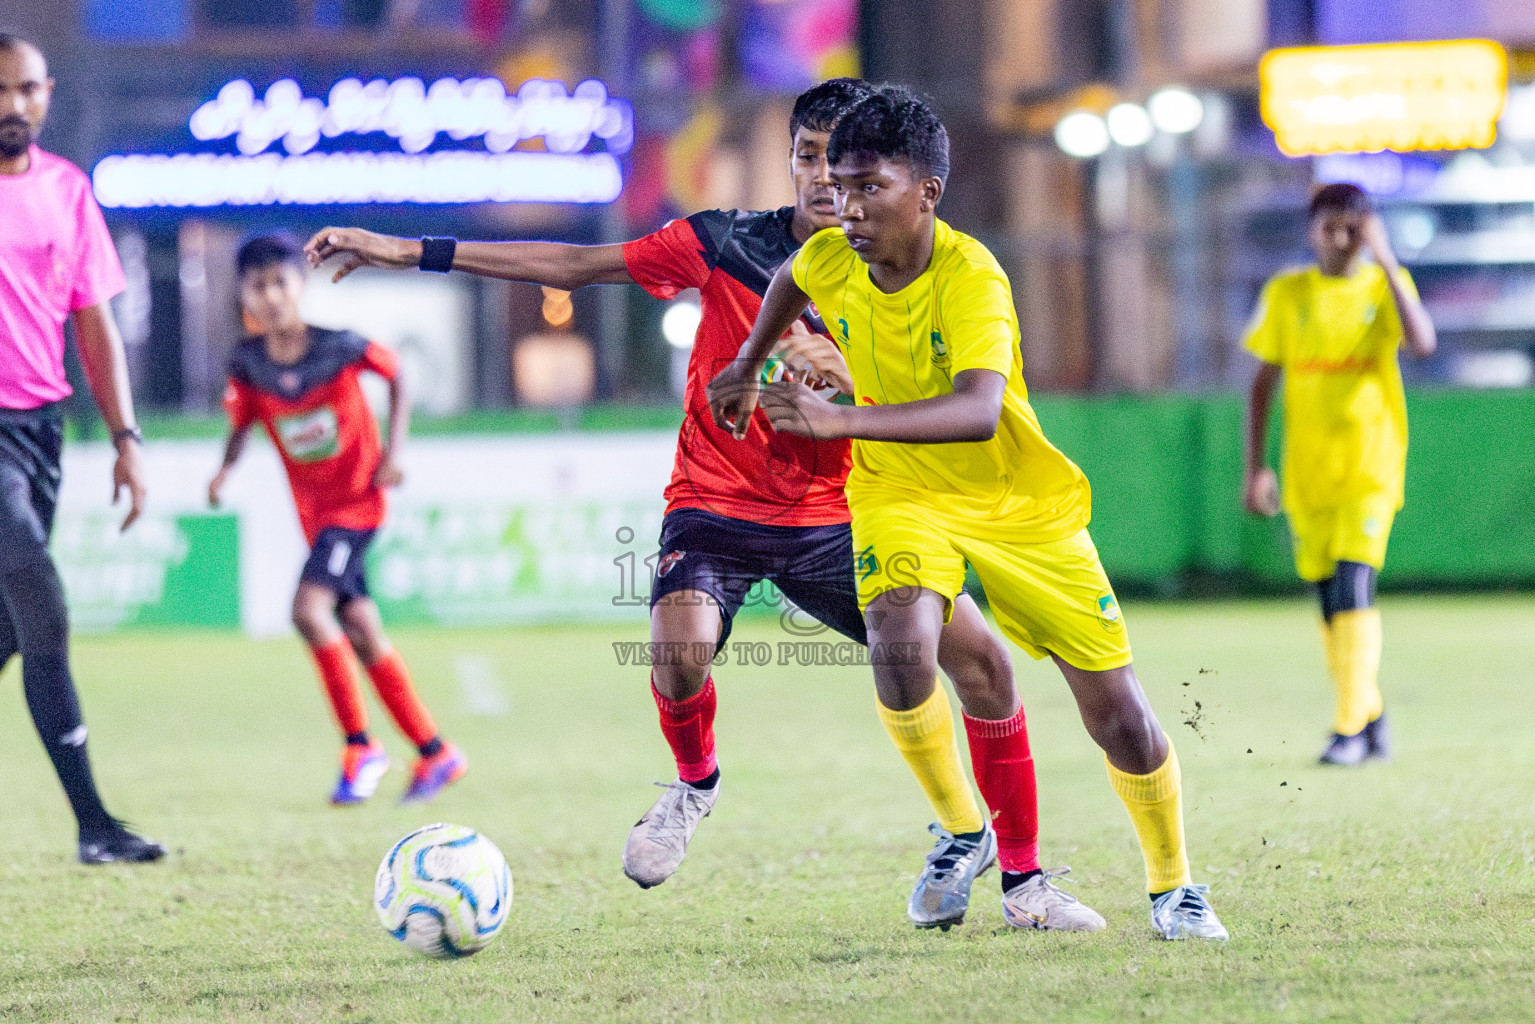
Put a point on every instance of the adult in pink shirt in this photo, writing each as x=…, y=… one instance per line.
x=56, y=262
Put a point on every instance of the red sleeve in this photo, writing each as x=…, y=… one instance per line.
x=381, y=361
x=240, y=404
x=667, y=261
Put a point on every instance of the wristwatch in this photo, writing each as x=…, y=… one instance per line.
x=127, y=433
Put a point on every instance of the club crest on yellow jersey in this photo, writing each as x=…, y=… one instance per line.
x=940, y=350
x=1108, y=613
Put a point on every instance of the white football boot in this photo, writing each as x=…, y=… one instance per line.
x=1185, y=913
x=659, y=840
x=1040, y=904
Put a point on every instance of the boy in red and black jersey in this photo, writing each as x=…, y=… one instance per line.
x=301, y=384
x=772, y=509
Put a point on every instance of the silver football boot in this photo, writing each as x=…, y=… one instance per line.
x=942, y=894
x=1185, y=913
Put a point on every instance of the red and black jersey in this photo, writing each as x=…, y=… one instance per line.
x=730, y=257
x=320, y=422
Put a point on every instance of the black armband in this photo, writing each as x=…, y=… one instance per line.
x=437, y=254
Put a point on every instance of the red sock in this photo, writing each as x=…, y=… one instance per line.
x=689, y=727
x=335, y=665
x=1004, y=771
x=392, y=681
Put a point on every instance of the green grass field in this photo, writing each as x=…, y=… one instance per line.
x=1392, y=893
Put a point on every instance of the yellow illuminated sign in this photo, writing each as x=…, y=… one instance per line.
x=1400, y=96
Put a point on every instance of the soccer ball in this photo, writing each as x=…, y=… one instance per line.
x=443, y=890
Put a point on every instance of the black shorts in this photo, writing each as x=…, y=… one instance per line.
x=31, y=442
x=725, y=558
x=336, y=562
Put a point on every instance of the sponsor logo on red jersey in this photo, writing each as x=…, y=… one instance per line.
x=309, y=436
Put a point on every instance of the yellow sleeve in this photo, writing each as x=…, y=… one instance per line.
x=1264, y=338
x=1388, y=302
x=812, y=257
x=979, y=324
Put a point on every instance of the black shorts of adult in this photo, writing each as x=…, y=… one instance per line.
x=727, y=558
x=337, y=562
x=31, y=446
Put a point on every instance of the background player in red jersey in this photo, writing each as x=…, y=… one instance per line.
x=301, y=383
x=775, y=510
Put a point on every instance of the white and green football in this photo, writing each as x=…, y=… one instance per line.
x=443, y=890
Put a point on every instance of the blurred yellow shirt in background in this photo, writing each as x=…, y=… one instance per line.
x=906, y=346
x=1345, y=417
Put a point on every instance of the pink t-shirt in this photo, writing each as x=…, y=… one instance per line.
x=56, y=256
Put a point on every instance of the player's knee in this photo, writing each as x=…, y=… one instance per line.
x=1133, y=740
x=985, y=673
x=32, y=588
x=1354, y=587
x=310, y=618
x=362, y=626
x=681, y=678
x=1125, y=727
x=369, y=647
x=1351, y=588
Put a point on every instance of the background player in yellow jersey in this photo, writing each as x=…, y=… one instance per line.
x=1331, y=331
x=950, y=466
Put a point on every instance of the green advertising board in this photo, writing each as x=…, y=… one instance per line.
x=168, y=570
x=514, y=562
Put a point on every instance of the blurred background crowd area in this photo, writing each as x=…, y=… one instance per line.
x=1113, y=153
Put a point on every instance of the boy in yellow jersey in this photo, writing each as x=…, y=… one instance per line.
x=950, y=466
x=1332, y=331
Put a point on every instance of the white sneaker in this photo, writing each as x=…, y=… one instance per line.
x=942, y=894
x=1039, y=904
x=659, y=840
x=1185, y=913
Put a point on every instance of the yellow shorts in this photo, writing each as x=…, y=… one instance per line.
x=1353, y=532
x=1049, y=598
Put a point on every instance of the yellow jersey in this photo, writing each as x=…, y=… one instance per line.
x=1345, y=417
x=908, y=345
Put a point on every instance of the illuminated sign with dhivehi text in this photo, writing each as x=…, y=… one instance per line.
x=1398, y=96
x=564, y=171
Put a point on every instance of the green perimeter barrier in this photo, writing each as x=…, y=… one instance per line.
x=1167, y=474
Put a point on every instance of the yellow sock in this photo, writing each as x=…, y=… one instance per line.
x=1155, y=803
x=1353, y=656
x=925, y=737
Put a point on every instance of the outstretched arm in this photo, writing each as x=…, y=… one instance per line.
x=1260, y=485
x=733, y=391
x=968, y=413
x=1417, y=326
x=106, y=370
x=553, y=264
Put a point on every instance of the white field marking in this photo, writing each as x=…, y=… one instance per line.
x=480, y=684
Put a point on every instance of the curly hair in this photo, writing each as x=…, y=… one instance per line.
x=820, y=107
x=893, y=122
